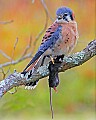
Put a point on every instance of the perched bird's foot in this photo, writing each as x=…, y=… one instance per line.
x=52, y=59
x=59, y=59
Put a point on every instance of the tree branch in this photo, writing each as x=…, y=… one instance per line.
x=29, y=55
x=16, y=79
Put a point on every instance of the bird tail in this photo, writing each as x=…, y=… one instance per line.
x=34, y=61
x=34, y=66
x=31, y=68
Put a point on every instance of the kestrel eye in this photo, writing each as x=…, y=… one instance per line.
x=59, y=17
x=65, y=14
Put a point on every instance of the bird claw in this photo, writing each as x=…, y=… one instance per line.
x=52, y=59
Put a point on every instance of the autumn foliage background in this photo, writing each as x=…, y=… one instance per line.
x=76, y=92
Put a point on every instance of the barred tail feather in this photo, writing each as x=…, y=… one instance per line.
x=33, y=61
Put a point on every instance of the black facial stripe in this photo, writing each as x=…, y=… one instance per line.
x=59, y=18
x=65, y=14
x=71, y=17
x=64, y=18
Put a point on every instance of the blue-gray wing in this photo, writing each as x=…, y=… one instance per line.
x=50, y=38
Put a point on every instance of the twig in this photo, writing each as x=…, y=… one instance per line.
x=15, y=44
x=29, y=55
x=13, y=92
x=5, y=55
x=17, y=79
x=6, y=22
x=12, y=55
x=28, y=47
x=24, y=56
x=4, y=74
x=46, y=23
x=14, y=49
x=46, y=9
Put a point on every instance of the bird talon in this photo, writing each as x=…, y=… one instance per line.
x=52, y=59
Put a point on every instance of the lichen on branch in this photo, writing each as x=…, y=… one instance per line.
x=16, y=79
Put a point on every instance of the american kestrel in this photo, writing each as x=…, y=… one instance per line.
x=59, y=39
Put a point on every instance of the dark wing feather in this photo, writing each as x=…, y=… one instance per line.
x=37, y=55
x=49, y=40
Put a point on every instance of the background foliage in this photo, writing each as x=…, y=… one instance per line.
x=76, y=93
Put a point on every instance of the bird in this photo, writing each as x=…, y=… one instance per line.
x=59, y=39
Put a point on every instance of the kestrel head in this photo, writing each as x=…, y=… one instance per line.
x=64, y=15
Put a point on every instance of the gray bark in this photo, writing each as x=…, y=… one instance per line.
x=16, y=79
